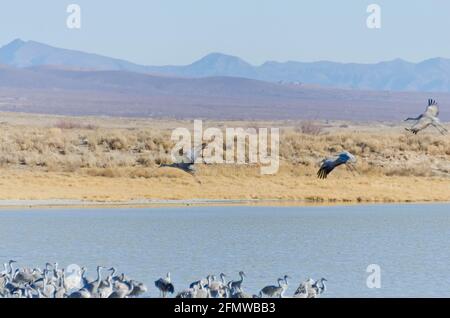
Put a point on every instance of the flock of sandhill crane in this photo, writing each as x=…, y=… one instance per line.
x=428, y=118
x=52, y=282
x=210, y=287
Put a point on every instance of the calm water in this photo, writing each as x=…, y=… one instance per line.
x=409, y=242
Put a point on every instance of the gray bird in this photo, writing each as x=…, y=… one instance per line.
x=187, y=162
x=165, y=285
x=272, y=290
x=328, y=164
x=237, y=285
x=427, y=119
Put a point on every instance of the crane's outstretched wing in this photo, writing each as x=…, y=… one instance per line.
x=437, y=124
x=302, y=289
x=330, y=163
x=432, y=109
x=326, y=167
x=423, y=123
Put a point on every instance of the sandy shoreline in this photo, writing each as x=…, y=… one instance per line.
x=80, y=204
x=24, y=189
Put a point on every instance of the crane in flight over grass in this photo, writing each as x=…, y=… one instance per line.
x=187, y=160
x=428, y=118
x=328, y=164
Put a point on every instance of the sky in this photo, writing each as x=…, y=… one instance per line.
x=161, y=32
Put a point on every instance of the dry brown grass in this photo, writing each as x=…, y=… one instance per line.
x=118, y=159
x=389, y=152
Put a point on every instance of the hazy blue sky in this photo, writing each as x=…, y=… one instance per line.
x=181, y=31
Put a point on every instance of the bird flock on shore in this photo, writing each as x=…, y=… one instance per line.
x=211, y=287
x=53, y=282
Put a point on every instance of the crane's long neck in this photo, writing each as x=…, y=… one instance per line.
x=98, y=274
x=414, y=118
x=10, y=267
x=283, y=289
x=62, y=282
x=83, y=276
x=109, y=279
x=324, y=287
x=44, y=281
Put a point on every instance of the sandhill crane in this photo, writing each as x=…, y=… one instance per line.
x=10, y=268
x=203, y=282
x=237, y=285
x=272, y=290
x=107, y=289
x=311, y=288
x=92, y=287
x=301, y=291
x=121, y=289
x=23, y=277
x=428, y=118
x=165, y=285
x=188, y=160
x=306, y=290
x=217, y=288
x=328, y=164
x=60, y=292
x=139, y=288
x=202, y=292
x=320, y=286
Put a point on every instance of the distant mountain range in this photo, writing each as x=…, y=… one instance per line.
x=50, y=90
x=37, y=78
x=431, y=75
